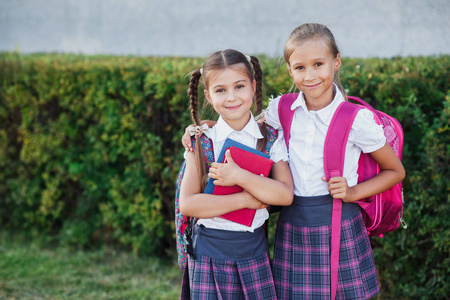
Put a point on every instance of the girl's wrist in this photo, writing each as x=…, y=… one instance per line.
x=241, y=177
x=353, y=194
x=246, y=199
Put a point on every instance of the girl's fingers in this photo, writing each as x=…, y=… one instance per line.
x=212, y=171
x=228, y=156
x=336, y=179
x=186, y=140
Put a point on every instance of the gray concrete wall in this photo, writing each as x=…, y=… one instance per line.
x=363, y=28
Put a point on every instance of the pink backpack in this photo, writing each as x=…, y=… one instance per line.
x=382, y=212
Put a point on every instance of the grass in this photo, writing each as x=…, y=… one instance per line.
x=28, y=271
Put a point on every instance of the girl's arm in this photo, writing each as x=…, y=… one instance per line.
x=278, y=190
x=194, y=203
x=392, y=172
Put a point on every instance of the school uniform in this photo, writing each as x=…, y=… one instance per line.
x=231, y=260
x=301, y=263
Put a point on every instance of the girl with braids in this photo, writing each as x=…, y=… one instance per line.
x=231, y=260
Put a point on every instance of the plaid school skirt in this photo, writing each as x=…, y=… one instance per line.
x=301, y=263
x=228, y=265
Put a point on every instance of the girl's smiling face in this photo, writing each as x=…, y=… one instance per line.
x=312, y=66
x=230, y=92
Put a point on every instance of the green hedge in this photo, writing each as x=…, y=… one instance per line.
x=90, y=148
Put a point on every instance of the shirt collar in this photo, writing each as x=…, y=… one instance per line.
x=326, y=113
x=223, y=130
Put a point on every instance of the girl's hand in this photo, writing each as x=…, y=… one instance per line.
x=339, y=189
x=225, y=174
x=251, y=202
x=186, y=139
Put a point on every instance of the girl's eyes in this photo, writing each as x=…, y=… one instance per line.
x=238, y=87
x=317, y=64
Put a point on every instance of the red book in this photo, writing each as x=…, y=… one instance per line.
x=249, y=159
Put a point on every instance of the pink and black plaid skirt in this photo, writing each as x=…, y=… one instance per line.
x=301, y=263
x=228, y=265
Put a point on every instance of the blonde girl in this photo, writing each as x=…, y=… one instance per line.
x=301, y=263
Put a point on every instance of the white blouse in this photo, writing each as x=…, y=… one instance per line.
x=247, y=136
x=307, y=138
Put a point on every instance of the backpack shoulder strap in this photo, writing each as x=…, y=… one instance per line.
x=362, y=102
x=272, y=135
x=333, y=161
x=207, y=147
x=286, y=115
x=336, y=138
